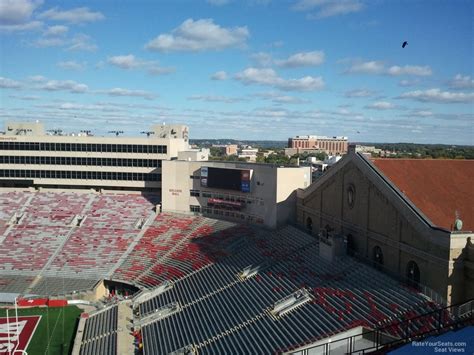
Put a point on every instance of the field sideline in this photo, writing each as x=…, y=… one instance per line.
x=55, y=332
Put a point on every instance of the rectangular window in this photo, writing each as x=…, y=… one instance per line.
x=195, y=193
x=194, y=208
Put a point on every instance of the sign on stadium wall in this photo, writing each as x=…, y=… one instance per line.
x=15, y=336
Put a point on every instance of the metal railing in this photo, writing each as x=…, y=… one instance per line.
x=430, y=323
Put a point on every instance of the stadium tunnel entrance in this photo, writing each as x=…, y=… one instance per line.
x=120, y=289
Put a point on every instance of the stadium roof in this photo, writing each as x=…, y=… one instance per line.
x=441, y=189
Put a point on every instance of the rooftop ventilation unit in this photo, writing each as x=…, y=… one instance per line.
x=187, y=350
x=161, y=313
x=291, y=302
x=253, y=270
x=249, y=271
x=163, y=287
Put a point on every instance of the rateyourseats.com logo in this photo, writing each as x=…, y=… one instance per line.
x=442, y=346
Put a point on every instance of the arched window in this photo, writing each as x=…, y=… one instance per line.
x=378, y=256
x=413, y=274
x=309, y=224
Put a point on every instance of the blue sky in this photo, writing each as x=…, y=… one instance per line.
x=248, y=69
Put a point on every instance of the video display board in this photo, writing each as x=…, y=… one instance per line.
x=228, y=179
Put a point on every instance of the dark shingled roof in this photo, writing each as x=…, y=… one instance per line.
x=438, y=187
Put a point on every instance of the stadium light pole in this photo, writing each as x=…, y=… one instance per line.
x=8, y=333
x=16, y=316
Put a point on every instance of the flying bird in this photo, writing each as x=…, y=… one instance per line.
x=404, y=44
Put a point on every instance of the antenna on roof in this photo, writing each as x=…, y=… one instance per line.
x=19, y=131
x=148, y=133
x=56, y=132
x=117, y=133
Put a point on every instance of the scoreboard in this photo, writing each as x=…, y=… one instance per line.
x=229, y=179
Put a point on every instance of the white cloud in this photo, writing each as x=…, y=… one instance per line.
x=37, y=78
x=262, y=59
x=24, y=98
x=77, y=15
x=71, y=65
x=6, y=83
x=381, y=105
x=372, y=67
x=409, y=70
x=125, y=92
x=220, y=75
x=406, y=83
x=303, y=59
x=359, y=93
x=82, y=42
x=328, y=8
x=49, y=42
x=421, y=113
x=269, y=77
x=129, y=61
x=17, y=12
x=22, y=27
x=199, y=35
x=461, y=82
x=438, y=96
x=58, y=30
x=215, y=98
x=64, y=85
x=378, y=68
x=281, y=99
x=218, y=2
x=124, y=61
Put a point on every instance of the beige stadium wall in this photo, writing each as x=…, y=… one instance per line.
x=272, y=188
x=173, y=146
x=288, y=181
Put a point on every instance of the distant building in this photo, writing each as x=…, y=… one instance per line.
x=292, y=151
x=368, y=149
x=331, y=160
x=227, y=149
x=249, y=153
x=329, y=145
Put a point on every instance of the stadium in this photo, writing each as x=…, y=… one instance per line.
x=115, y=245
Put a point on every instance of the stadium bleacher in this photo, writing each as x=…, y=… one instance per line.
x=220, y=313
x=100, y=333
x=66, y=257
x=174, y=246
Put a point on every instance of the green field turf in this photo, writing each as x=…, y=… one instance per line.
x=55, y=332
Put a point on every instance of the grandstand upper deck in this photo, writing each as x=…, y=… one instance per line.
x=29, y=156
